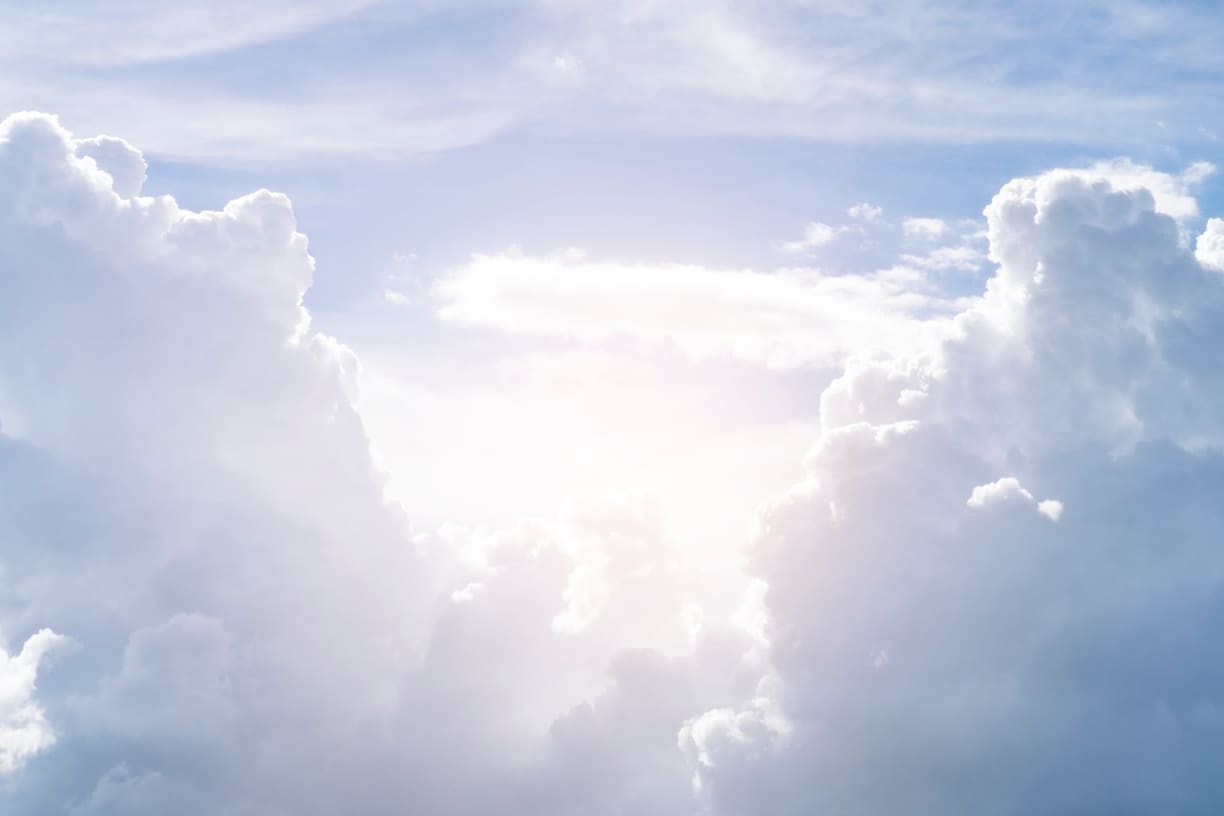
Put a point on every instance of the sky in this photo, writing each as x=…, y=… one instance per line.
x=580, y=408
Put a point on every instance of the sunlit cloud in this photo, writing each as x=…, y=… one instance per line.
x=786, y=318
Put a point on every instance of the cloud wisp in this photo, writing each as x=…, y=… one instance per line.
x=914, y=71
x=783, y=319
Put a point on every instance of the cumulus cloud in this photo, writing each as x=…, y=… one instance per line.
x=223, y=506
x=1172, y=194
x=120, y=160
x=865, y=211
x=727, y=735
x=188, y=493
x=24, y=730
x=926, y=228
x=816, y=234
x=1209, y=247
x=1014, y=678
x=1009, y=491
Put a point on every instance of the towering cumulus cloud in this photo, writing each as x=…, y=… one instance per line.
x=996, y=591
x=244, y=625
x=187, y=492
x=938, y=645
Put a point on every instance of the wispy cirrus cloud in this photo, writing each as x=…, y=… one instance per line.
x=366, y=74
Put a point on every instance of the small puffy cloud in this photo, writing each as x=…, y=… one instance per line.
x=929, y=229
x=1209, y=247
x=1086, y=365
x=816, y=235
x=963, y=258
x=1005, y=490
x=936, y=245
x=1008, y=490
x=865, y=212
x=1051, y=509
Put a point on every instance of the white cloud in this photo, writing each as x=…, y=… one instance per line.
x=729, y=736
x=865, y=211
x=1209, y=247
x=1173, y=194
x=1007, y=491
x=24, y=729
x=1085, y=368
x=961, y=258
x=815, y=235
x=781, y=319
x=1051, y=509
x=123, y=162
x=212, y=529
x=186, y=489
x=924, y=228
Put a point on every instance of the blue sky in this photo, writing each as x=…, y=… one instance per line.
x=602, y=118
x=631, y=407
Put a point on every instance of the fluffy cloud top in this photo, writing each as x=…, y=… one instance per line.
x=1029, y=667
x=1009, y=491
x=24, y=730
x=925, y=228
x=817, y=234
x=189, y=495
